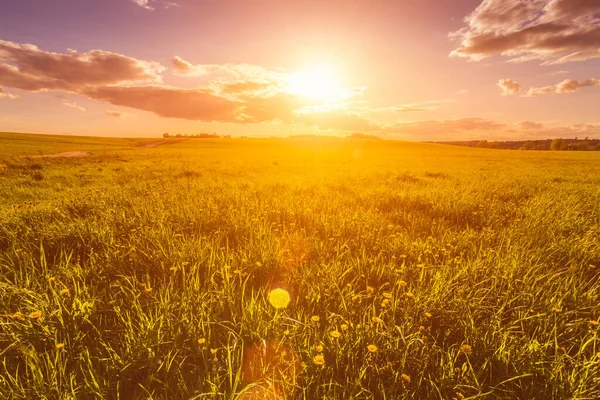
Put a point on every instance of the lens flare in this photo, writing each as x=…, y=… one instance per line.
x=279, y=298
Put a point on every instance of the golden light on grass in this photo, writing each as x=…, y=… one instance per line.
x=279, y=298
x=35, y=314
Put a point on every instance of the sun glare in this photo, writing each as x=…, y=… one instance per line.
x=319, y=84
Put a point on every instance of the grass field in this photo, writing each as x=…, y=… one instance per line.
x=414, y=270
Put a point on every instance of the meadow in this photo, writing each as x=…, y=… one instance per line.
x=413, y=270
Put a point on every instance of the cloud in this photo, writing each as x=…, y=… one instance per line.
x=4, y=95
x=528, y=125
x=553, y=31
x=509, y=87
x=566, y=86
x=146, y=4
x=26, y=67
x=73, y=105
x=116, y=114
x=338, y=121
x=444, y=129
x=421, y=106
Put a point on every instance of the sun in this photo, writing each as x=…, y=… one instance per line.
x=319, y=84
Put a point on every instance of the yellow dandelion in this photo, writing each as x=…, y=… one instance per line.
x=372, y=348
x=173, y=269
x=319, y=348
x=214, y=351
x=258, y=264
x=459, y=395
x=370, y=289
x=387, y=295
x=237, y=271
x=594, y=323
x=409, y=295
x=185, y=263
x=319, y=359
x=60, y=346
x=466, y=348
x=344, y=327
x=421, y=329
x=279, y=298
x=557, y=310
x=405, y=378
x=148, y=289
x=315, y=318
x=17, y=315
x=460, y=292
x=376, y=319
x=428, y=315
x=35, y=314
x=201, y=341
x=65, y=291
x=286, y=332
x=355, y=298
x=385, y=303
x=335, y=334
x=402, y=283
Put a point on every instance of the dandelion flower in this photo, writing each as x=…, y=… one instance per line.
x=370, y=289
x=355, y=298
x=594, y=323
x=315, y=318
x=279, y=298
x=17, y=315
x=428, y=315
x=344, y=327
x=405, y=378
x=385, y=303
x=387, y=295
x=372, y=348
x=319, y=348
x=258, y=264
x=35, y=314
x=409, y=295
x=319, y=359
x=459, y=395
x=286, y=332
x=421, y=329
x=466, y=348
x=173, y=269
x=335, y=334
x=213, y=351
x=376, y=319
x=402, y=283
x=60, y=346
x=201, y=341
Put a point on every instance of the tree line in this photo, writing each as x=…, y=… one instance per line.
x=196, y=135
x=558, y=144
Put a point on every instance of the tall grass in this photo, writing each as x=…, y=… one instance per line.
x=145, y=274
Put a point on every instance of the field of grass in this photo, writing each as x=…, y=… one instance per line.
x=414, y=271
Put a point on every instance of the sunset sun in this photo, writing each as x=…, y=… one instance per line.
x=318, y=84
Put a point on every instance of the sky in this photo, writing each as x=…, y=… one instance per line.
x=400, y=69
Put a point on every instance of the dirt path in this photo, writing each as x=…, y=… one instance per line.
x=65, y=154
x=153, y=144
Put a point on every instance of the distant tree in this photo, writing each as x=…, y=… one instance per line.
x=558, y=144
x=528, y=146
x=166, y=135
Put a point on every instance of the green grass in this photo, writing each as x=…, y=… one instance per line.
x=161, y=247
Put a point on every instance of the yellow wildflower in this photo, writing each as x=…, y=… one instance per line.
x=213, y=351
x=319, y=348
x=344, y=327
x=402, y=283
x=409, y=295
x=60, y=346
x=201, y=341
x=279, y=298
x=405, y=378
x=335, y=334
x=370, y=289
x=385, y=303
x=428, y=315
x=35, y=314
x=319, y=359
x=466, y=348
x=315, y=318
x=594, y=323
x=65, y=291
x=372, y=348
x=387, y=295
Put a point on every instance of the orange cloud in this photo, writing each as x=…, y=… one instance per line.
x=28, y=68
x=73, y=105
x=566, y=86
x=4, y=95
x=509, y=87
x=116, y=114
x=445, y=129
x=554, y=31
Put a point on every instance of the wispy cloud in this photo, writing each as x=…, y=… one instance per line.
x=73, y=105
x=566, y=86
x=152, y=4
x=509, y=87
x=4, y=95
x=116, y=114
